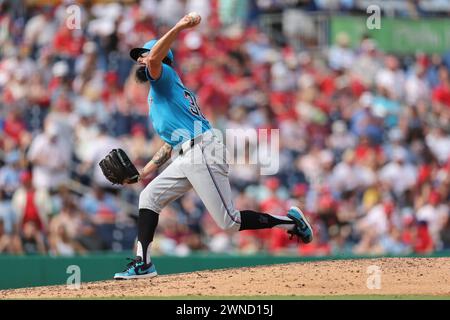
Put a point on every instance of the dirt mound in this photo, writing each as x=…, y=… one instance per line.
x=398, y=276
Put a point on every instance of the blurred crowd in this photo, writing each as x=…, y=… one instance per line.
x=364, y=135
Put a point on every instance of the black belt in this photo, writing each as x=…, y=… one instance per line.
x=193, y=141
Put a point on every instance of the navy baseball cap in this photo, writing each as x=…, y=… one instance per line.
x=137, y=52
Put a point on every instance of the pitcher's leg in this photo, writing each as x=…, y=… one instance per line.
x=209, y=177
x=210, y=181
x=208, y=174
x=147, y=223
x=252, y=220
x=168, y=186
x=165, y=188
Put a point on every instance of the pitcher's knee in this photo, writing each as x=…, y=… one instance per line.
x=148, y=199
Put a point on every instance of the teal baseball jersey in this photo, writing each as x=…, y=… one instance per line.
x=174, y=111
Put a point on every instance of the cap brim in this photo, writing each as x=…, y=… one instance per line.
x=137, y=52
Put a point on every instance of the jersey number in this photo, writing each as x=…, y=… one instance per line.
x=193, y=105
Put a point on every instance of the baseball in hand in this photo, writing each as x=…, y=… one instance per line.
x=195, y=17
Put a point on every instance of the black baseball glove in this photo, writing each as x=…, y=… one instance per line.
x=118, y=168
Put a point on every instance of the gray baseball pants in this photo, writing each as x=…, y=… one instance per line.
x=201, y=166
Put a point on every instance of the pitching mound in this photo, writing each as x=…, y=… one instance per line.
x=418, y=276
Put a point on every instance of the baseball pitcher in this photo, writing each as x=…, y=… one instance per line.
x=201, y=162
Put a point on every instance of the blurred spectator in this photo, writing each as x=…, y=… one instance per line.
x=391, y=78
x=9, y=173
x=13, y=126
x=50, y=157
x=435, y=214
x=31, y=206
x=341, y=56
x=72, y=232
x=398, y=174
x=392, y=243
x=5, y=241
x=32, y=239
x=41, y=28
x=416, y=86
x=445, y=235
x=441, y=94
x=423, y=243
x=102, y=207
x=439, y=143
x=61, y=244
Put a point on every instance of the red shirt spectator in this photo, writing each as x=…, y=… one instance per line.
x=365, y=150
x=31, y=211
x=423, y=242
x=441, y=93
x=65, y=43
x=14, y=127
x=30, y=205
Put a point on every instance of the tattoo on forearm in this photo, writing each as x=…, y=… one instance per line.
x=162, y=155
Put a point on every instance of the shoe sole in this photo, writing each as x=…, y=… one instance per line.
x=302, y=216
x=144, y=276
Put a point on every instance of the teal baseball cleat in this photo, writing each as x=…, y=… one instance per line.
x=302, y=227
x=137, y=269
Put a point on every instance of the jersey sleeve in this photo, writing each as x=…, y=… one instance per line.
x=165, y=80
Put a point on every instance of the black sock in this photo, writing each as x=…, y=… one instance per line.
x=251, y=220
x=147, y=222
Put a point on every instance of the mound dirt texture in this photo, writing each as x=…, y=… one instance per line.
x=399, y=276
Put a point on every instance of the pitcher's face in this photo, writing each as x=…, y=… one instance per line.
x=142, y=58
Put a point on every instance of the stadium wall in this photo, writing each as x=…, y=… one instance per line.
x=402, y=36
x=30, y=271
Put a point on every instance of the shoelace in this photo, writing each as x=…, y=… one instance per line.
x=132, y=263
